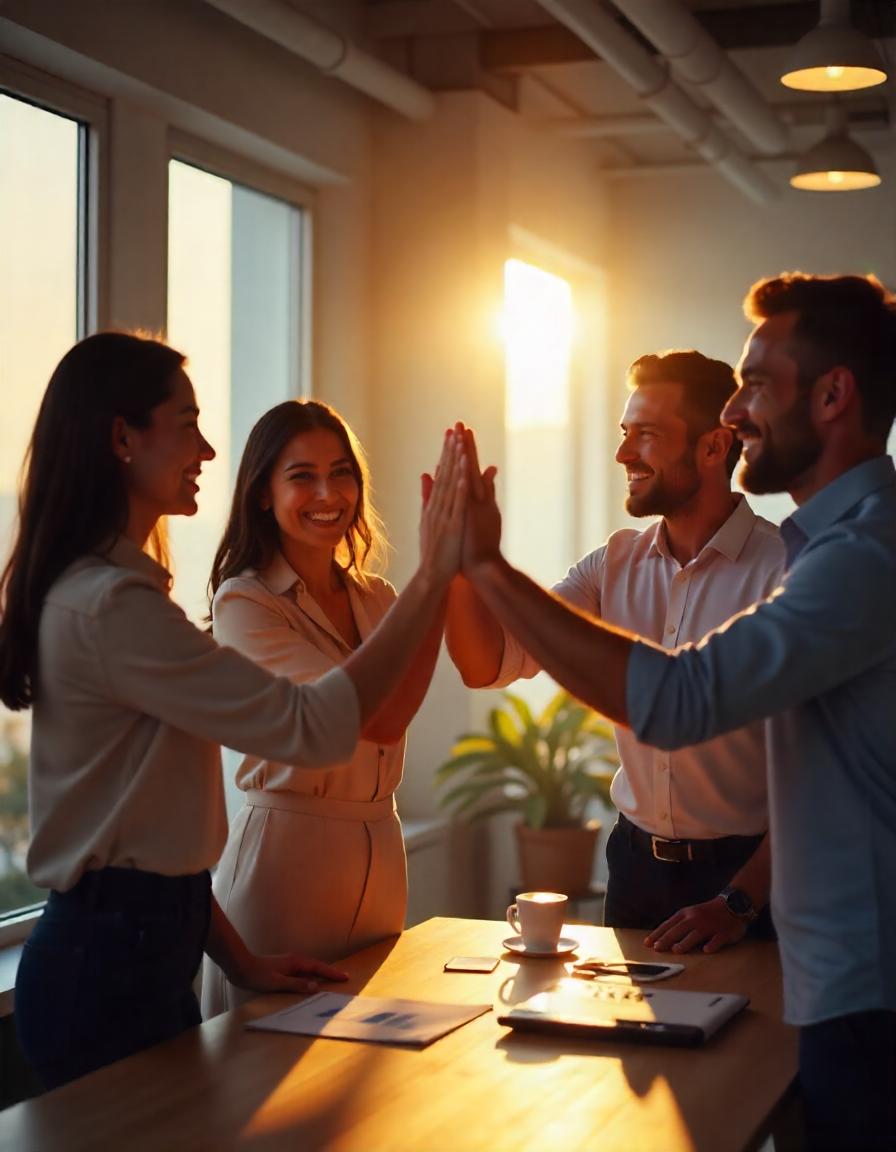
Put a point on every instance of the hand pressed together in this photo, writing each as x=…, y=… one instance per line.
x=442, y=516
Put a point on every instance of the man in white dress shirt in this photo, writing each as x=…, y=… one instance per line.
x=688, y=858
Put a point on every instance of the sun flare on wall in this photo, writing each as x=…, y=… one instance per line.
x=538, y=328
x=539, y=465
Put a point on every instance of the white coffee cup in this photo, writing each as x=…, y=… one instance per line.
x=538, y=918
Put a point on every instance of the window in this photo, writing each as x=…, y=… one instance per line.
x=540, y=485
x=42, y=307
x=235, y=259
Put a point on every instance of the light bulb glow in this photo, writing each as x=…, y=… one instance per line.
x=833, y=78
x=834, y=181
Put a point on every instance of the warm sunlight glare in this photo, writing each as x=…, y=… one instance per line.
x=199, y=310
x=538, y=327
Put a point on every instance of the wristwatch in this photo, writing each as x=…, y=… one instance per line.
x=739, y=903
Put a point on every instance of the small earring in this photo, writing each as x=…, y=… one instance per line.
x=126, y=459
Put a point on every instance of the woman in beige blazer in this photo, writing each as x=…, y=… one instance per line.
x=314, y=860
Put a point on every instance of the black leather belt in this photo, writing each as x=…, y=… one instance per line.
x=721, y=850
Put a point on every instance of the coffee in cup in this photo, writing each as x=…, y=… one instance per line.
x=538, y=918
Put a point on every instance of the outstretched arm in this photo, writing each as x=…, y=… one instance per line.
x=588, y=658
x=383, y=662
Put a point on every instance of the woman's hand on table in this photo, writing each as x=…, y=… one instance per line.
x=288, y=972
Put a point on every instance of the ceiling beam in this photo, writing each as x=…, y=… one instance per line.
x=516, y=49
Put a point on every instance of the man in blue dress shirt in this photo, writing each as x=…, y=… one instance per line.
x=814, y=407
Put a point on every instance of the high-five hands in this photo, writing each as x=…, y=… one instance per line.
x=482, y=529
x=460, y=519
x=442, y=516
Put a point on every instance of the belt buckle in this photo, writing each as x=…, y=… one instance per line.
x=657, y=841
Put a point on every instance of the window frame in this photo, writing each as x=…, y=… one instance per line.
x=22, y=82
x=242, y=170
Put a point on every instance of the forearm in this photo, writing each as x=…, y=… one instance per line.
x=225, y=945
x=755, y=877
x=585, y=656
x=390, y=722
x=474, y=637
x=384, y=660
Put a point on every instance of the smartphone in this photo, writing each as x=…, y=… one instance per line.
x=471, y=964
x=642, y=971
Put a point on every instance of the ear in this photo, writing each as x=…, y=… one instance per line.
x=121, y=439
x=264, y=500
x=833, y=393
x=717, y=445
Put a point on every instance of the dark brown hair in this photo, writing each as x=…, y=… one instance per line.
x=847, y=321
x=251, y=536
x=706, y=387
x=73, y=498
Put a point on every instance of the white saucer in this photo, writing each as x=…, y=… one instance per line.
x=565, y=945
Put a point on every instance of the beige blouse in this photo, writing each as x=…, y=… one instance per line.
x=131, y=705
x=270, y=617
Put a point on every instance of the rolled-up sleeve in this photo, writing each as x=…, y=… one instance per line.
x=833, y=618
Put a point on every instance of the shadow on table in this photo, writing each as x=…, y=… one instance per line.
x=243, y=1088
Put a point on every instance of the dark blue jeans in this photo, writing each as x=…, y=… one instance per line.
x=642, y=892
x=109, y=968
x=848, y=1082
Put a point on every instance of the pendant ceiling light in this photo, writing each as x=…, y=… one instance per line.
x=834, y=57
x=836, y=163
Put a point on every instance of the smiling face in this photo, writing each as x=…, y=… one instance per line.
x=162, y=461
x=657, y=452
x=313, y=491
x=771, y=411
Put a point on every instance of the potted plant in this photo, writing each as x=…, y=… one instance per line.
x=546, y=769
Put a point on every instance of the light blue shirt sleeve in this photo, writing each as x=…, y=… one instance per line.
x=833, y=619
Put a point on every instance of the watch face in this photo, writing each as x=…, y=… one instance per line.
x=739, y=902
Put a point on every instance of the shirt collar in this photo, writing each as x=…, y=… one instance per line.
x=728, y=540
x=280, y=577
x=124, y=553
x=834, y=501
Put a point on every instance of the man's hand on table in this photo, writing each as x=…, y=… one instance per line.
x=710, y=924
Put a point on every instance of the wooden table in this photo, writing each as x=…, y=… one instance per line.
x=482, y=1087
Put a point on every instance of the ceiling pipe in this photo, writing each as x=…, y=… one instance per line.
x=801, y=114
x=698, y=59
x=651, y=81
x=332, y=54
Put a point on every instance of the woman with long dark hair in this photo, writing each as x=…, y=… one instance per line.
x=130, y=702
x=315, y=860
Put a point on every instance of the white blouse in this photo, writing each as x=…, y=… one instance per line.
x=131, y=704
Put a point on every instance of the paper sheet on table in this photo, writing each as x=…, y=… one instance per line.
x=341, y=1017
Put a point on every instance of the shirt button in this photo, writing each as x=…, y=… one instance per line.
x=671, y=629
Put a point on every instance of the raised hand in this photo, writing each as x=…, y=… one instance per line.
x=482, y=532
x=442, y=517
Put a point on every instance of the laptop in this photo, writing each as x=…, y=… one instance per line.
x=608, y=1010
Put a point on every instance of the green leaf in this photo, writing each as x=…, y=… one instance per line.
x=503, y=727
x=536, y=810
x=523, y=711
x=473, y=743
x=465, y=761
